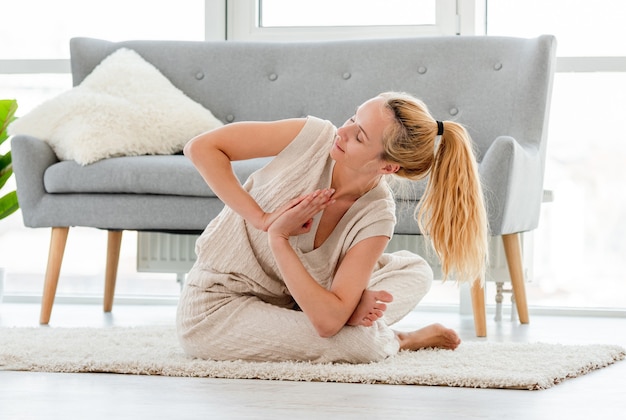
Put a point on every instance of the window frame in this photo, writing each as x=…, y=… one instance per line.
x=214, y=29
x=236, y=20
x=576, y=65
x=243, y=16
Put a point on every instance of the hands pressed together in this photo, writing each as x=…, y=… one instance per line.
x=296, y=217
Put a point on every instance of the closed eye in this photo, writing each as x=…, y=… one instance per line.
x=353, y=120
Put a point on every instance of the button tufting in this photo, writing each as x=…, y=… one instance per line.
x=230, y=118
x=421, y=69
x=346, y=75
x=453, y=111
x=273, y=76
x=497, y=66
x=199, y=75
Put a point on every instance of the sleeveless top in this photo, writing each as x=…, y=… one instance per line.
x=236, y=255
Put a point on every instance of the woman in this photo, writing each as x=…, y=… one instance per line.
x=293, y=268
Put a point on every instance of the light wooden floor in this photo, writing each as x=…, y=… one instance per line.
x=27, y=395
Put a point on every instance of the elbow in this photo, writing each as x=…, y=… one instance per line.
x=327, y=333
x=328, y=329
x=202, y=147
x=189, y=148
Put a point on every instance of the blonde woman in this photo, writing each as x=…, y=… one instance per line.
x=293, y=268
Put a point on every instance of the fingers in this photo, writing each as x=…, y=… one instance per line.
x=308, y=197
x=321, y=196
x=306, y=205
x=296, y=216
x=316, y=197
x=315, y=202
x=325, y=193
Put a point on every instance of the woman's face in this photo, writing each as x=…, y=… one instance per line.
x=359, y=142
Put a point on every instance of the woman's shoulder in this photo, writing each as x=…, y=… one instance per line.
x=314, y=131
x=312, y=142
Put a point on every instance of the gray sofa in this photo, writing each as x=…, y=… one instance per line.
x=499, y=88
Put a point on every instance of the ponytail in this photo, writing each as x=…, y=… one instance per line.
x=452, y=212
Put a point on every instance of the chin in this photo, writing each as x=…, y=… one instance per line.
x=334, y=153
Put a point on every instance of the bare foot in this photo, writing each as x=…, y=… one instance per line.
x=435, y=335
x=371, y=307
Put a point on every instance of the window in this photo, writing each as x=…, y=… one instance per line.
x=583, y=28
x=331, y=19
x=581, y=241
x=26, y=21
x=580, y=245
x=290, y=13
x=34, y=67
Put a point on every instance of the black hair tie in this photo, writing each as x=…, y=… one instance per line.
x=439, y=128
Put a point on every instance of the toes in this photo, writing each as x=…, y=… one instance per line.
x=384, y=296
x=452, y=339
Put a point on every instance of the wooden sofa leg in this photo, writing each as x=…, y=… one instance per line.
x=513, y=252
x=114, y=244
x=58, y=239
x=478, y=307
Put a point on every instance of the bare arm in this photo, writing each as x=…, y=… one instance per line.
x=212, y=153
x=328, y=310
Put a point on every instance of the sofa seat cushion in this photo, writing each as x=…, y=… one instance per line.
x=162, y=175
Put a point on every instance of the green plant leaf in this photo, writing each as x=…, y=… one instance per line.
x=8, y=204
x=7, y=115
x=5, y=177
x=5, y=173
x=5, y=164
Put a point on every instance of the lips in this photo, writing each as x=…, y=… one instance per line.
x=337, y=145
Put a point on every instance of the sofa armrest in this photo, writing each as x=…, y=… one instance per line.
x=31, y=158
x=512, y=176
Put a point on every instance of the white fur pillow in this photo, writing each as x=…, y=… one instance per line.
x=125, y=107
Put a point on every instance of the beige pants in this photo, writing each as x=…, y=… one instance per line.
x=215, y=323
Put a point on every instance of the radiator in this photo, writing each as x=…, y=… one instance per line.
x=169, y=253
x=165, y=253
x=497, y=270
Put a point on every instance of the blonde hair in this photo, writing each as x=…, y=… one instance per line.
x=452, y=210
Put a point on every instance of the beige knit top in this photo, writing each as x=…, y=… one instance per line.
x=229, y=245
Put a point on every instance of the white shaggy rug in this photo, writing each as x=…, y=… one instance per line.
x=155, y=351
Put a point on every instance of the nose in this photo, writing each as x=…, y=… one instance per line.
x=338, y=140
x=346, y=130
x=340, y=135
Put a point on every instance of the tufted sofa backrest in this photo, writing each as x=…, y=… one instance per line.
x=493, y=85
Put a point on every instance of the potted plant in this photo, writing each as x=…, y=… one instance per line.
x=8, y=202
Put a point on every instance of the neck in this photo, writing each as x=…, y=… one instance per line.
x=352, y=185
